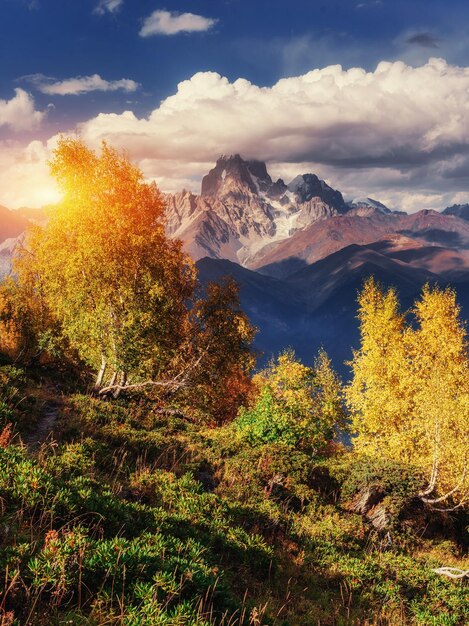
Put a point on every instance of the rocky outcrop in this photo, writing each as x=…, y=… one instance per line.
x=305, y=187
x=369, y=503
x=241, y=210
x=458, y=210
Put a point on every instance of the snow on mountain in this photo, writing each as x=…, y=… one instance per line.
x=364, y=206
x=241, y=210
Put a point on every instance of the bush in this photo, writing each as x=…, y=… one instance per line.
x=296, y=405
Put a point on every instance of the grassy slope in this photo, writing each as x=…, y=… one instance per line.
x=133, y=518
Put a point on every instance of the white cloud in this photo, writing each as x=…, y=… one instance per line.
x=24, y=175
x=395, y=116
x=79, y=85
x=110, y=6
x=20, y=113
x=399, y=134
x=168, y=23
x=410, y=121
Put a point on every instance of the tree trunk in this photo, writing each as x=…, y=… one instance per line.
x=122, y=382
x=100, y=376
x=112, y=382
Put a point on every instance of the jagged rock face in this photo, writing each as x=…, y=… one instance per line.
x=458, y=210
x=313, y=210
x=309, y=186
x=232, y=177
x=241, y=210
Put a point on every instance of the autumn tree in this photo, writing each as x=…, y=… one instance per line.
x=409, y=396
x=220, y=338
x=295, y=404
x=27, y=329
x=122, y=294
x=438, y=352
x=106, y=269
x=380, y=393
x=14, y=338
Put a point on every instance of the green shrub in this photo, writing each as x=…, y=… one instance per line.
x=296, y=405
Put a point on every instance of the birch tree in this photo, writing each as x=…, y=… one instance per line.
x=409, y=396
x=106, y=269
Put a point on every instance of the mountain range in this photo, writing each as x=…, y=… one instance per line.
x=300, y=251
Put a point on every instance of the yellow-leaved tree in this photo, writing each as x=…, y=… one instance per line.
x=409, y=395
x=119, y=293
x=105, y=267
x=438, y=352
x=295, y=405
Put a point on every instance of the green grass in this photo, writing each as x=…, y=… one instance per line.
x=132, y=518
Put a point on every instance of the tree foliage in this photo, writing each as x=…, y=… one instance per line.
x=409, y=396
x=122, y=294
x=295, y=404
x=221, y=334
x=27, y=329
x=105, y=267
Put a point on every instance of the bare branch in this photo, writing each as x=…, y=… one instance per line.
x=450, y=493
x=147, y=383
x=452, y=572
x=179, y=381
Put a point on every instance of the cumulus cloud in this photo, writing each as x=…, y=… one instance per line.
x=395, y=116
x=79, y=85
x=20, y=113
x=399, y=133
x=108, y=6
x=168, y=23
x=398, y=119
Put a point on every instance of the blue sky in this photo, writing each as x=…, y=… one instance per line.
x=71, y=61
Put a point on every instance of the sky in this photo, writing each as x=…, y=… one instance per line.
x=371, y=95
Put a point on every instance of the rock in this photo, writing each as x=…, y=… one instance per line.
x=379, y=516
x=366, y=498
x=369, y=503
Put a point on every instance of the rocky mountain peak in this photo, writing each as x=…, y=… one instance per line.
x=458, y=210
x=308, y=186
x=368, y=206
x=233, y=176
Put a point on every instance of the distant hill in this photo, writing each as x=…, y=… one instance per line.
x=12, y=223
x=316, y=305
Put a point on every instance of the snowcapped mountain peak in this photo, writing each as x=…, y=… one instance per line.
x=309, y=186
x=366, y=204
x=241, y=211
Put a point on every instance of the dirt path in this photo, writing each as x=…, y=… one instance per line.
x=45, y=426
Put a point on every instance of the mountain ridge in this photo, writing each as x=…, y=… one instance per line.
x=245, y=216
x=300, y=252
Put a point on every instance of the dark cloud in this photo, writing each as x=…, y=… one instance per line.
x=424, y=40
x=369, y=3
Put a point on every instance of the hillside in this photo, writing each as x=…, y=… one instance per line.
x=130, y=515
